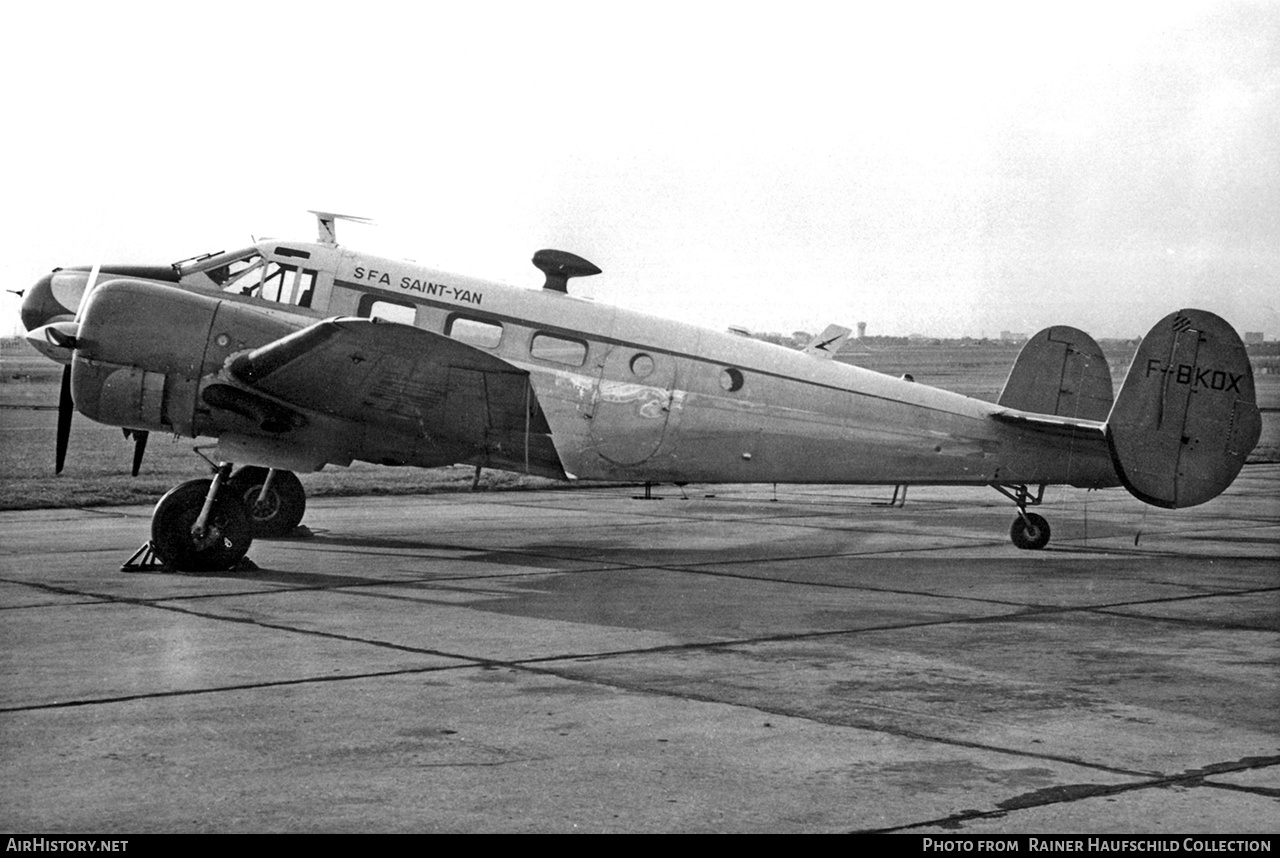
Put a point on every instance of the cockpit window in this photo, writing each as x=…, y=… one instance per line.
x=287, y=284
x=248, y=272
x=232, y=272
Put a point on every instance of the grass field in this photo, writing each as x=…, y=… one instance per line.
x=98, y=459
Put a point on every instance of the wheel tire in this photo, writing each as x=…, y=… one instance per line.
x=284, y=507
x=227, y=534
x=1031, y=534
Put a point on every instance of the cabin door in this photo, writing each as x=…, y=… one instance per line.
x=633, y=404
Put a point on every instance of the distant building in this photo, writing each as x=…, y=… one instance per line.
x=1012, y=337
x=862, y=330
x=1254, y=337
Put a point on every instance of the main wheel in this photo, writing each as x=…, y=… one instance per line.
x=1031, y=534
x=226, y=538
x=284, y=506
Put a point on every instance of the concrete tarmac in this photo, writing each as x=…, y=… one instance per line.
x=576, y=660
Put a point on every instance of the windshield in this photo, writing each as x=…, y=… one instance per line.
x=245, y=274
x=241, y=271
x=248, y=272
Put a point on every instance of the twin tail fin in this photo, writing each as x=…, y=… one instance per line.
x=1187, y=415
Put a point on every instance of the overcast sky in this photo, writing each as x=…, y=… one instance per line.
x=942, y=168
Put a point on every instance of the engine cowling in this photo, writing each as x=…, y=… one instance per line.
x=144, y=349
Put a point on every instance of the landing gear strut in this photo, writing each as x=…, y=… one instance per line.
x=198, y=527
x=274, y=500
x=1028, y=531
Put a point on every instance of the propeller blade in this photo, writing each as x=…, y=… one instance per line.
x=66, y=408
x=139, y=447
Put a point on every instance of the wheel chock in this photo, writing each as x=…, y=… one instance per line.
x=144, y=560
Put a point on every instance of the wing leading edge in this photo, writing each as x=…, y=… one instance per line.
x=405, y=381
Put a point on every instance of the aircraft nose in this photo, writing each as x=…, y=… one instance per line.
x=40, y=306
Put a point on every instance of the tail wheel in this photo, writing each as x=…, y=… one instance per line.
x=1030, y=532
x=226, y=536
x=283, y=507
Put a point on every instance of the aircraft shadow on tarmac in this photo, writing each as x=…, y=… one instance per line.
x=833, y=567
x=251, y=572
x=367, y=554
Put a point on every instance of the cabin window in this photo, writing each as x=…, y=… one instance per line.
x=558, y=349
x=641, y=365
x=379, y=306
x=389, y=312
x=474, y=332
x=731, y=379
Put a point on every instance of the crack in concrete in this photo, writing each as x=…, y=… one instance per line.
x=1077, y=792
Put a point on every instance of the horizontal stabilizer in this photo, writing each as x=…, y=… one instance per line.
x=1187, y=416
x=1060, y=371
x=1045, y=424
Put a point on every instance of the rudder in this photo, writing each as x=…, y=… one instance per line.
x=1187, y=415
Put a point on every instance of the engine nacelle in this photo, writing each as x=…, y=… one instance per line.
x=143, y=350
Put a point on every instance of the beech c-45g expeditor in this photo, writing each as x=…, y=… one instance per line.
x=297, y=355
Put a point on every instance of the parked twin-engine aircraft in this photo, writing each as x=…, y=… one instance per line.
x=297, y=355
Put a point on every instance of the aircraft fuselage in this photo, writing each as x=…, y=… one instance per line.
x=627, y=396
x=295, y=356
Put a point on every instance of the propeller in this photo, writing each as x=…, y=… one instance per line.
x=66, y=408
x=140, y=437
x=52, y=298
x=66, y=405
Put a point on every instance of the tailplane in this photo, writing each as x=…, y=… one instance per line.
x=1187, y=416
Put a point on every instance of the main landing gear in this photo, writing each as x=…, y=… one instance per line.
x=208, y=525
x=275, y=500
x=198, y=527
x=1029, y=530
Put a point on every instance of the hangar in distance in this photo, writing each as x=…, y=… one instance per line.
x=297, y=355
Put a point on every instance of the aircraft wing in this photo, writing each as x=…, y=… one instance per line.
x=408, y=382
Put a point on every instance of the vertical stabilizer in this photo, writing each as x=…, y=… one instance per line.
x=826, y=344
x=1187, y=416
x=1060, y=371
